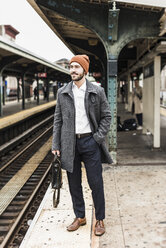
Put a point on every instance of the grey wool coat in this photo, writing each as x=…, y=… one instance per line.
x=99, y=116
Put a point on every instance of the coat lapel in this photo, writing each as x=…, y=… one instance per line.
x=68, y=90
x=89, y=89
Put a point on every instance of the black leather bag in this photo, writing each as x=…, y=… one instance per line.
x=56, y=179
x=129, y=124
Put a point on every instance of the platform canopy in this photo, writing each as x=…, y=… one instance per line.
x=67, y=24
x=121, y=38
x=17, y=61
x=150, y=3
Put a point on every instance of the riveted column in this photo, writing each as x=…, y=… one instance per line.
x=112, y=99
x=113, y=16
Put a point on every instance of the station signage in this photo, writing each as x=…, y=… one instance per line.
x=42, y=75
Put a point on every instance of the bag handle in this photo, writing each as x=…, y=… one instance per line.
x=56, y=157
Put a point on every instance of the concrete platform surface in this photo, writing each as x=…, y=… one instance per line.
x=21, y=115
x=135, y=207
x=136, y=147
x=12, y=107
x=135, y=213
x=48, y=228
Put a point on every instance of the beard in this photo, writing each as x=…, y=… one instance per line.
x=77, y=77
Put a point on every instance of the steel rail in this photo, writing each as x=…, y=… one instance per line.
x=22, y=136
x=21, y=152
x=14, y=226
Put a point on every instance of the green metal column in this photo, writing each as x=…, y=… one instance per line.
x=113, y=16
x=112, y=99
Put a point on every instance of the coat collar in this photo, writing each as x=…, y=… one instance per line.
x=90, y=88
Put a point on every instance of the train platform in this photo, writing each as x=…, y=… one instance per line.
x=135, y=201
x=13, y=107
x=13, y=112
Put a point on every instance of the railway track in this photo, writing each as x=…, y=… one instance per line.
x=15, y=146
x=23, y=182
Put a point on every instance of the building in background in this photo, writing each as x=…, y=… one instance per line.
x=63, y=62
x=10, y=87
x=8, y=32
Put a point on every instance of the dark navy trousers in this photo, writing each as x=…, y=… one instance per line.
x=87, y=150
x=139, y=119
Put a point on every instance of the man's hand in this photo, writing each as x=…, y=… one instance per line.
x=56, y=152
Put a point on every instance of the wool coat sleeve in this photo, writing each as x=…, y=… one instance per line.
x=105, y=119
x=56, y=141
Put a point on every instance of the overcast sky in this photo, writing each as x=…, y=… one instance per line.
x=34, y=34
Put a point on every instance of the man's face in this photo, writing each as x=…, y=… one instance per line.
x=76, y=71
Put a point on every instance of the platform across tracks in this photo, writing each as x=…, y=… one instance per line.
x=13, y=114
x=18, y=125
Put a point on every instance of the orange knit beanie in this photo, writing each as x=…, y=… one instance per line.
x=83, y=60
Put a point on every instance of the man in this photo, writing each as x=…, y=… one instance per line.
x=81, y=121
x=137, y=99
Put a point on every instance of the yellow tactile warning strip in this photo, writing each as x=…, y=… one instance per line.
x=11, y=119
x=10, y=190
x=48, y=228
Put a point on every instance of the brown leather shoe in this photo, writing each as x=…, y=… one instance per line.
x=76, y=224
x=99, y=228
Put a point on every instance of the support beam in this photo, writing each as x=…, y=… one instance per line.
x=129, y=97
x=3, y=91
x=47, y=89
x=37, y=79
x=113, y=16
x=112, y=99
x=152, y=3
x=23, y=93
x=1, y=96
x=157, y=69
x=18, y=89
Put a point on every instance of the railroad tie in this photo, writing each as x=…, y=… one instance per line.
x=10, y=190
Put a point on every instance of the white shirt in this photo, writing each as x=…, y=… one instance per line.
x=81, y=120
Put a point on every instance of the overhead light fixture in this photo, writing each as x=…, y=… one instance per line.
x=114, y=6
